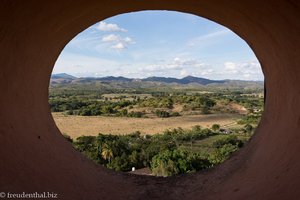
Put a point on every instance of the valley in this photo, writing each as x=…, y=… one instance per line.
x=165, y=126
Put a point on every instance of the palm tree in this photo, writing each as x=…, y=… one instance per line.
x=107, y=152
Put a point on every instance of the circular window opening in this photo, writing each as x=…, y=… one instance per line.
x=157, y=93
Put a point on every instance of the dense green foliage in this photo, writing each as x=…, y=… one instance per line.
x=166, y=154
x=168, y=163
x=161, y=104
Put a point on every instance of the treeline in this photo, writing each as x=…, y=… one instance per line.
x=160, y=103
x=250, y=119
x=120, y=106
x=165, y=154
x=252, y=102
x=89, y=107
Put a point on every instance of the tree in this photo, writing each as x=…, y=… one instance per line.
x=107, y=109
x=162, y=113
x=248, y=128
x=133, y=158
x=85, y=112
x=123, y=112
x=107, y=152
x=205, y=110
x=215, y=127
x=219, y=155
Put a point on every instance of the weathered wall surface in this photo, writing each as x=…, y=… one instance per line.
x=35, y=157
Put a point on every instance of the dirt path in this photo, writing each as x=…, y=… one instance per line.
x=76, y=126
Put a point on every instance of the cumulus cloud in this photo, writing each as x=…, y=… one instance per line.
x=117, y=42
x=184, y=73
x=110, y=38
x=119, y=46
x=176, y=65
x=246, y=70
x=128, y=40
x=205, y=72
x=231, y=67
x=103, y=26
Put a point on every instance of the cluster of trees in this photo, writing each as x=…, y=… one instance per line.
x=197, y=102
x=178, y=161
x=92, y=108
x=204, y=103
x=165, y=114
x=163, y=153
x=224, y=148
x=93, y=105
x=157, y=102
x=173, y=162
x=250, y=119
x=251, y=102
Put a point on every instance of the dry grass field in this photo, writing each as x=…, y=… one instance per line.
x=76, y=126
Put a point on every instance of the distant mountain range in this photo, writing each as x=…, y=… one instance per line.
x=63, y=79
x=63, y=76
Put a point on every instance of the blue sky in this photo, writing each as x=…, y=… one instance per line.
x=158, y=43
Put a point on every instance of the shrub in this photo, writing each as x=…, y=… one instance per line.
x=231, y=139
x=175, y=114
x=175, y=162
x=162, y=113
x=135, y=114
x=215, y=127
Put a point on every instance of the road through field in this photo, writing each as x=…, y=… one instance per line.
x=76, y=126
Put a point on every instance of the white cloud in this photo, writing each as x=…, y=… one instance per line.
x=117, y=41
x=179, y=63
x=184, y=73
x=206, y=72
x=103, y=26
x=246, y=70
x=119, y=46
x=177, y=60
x=229, y=66
x=128, y=39
x=174, y=66
x=152, y=68
x=110, y=38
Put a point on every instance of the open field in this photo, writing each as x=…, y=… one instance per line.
x=205, y=145
x=76, y=126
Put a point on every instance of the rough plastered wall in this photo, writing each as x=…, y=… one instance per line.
x=34, y=157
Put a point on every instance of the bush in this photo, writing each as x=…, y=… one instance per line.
x=231, y=139
x=175, y=114
x=215, y=127
x=85, y=112
x=162, y=113
x=219, y=155
x=164, y=153
x=248, y=128
x=175, y=162
x=135, y=114
x=250, y=119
